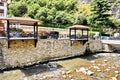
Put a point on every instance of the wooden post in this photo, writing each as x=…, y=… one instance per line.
x=36, y=33
x=75, y=33
x=70, y=37
x=82, y=32
x=70, y=33
x=87, y=34
x=36, y=30
x=8, y=33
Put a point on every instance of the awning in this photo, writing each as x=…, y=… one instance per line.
x=20, y=20
x=79, y=27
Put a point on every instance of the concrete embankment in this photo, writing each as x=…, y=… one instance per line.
x=23, y=53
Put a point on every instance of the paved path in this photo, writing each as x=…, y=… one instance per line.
x=113, y=43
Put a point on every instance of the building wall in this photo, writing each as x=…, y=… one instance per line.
x=3, y=9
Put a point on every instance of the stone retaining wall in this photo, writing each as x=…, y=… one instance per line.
x=46, y=50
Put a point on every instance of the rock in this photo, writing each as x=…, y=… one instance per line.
x=52, y=65
x=116, y=72
x=6, y=72
x=82, y=69
x=90, y=73
x=36, y=65
x=70, y=76
x=96, y=67
x=107, y=69
x=92, y=61
x=105, y=60
x=64, y=76
x=99, y=64
x=34, y=76
x=68, y=72
x=63, y=72
x=98, y=70
x=96, y=56
x=114, y=78
x=77, y=70
x=44, y=77
x=25, y=78
x=71, y=79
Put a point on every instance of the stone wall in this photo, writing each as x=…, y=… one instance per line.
x=46, y=50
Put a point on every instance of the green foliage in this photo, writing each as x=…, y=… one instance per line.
x=60, y=12
x=99, y=16
x=32, y=10
x=115, y=23
x=65, y=12
x=99, y=13
x=84, y=9
x=96, y=29
x=80, y=19
x=63, y=18
x=18, y=9
x=55, y=25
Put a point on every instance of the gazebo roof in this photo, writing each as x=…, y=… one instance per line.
x=21, y=20
x=79, y=27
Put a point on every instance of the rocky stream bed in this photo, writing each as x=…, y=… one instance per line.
x=99, y=66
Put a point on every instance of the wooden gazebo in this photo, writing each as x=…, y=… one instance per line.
x=83, y=36
x=21, y=21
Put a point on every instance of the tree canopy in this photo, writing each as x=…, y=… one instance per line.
x=49, y=11
x=64, y=12
x=99, y=13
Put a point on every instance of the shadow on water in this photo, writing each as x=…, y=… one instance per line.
x=46, y=67
x=91, y=56
x=40, y=68
x=36, y=68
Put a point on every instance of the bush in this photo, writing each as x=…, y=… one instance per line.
x=96, y=29
x=54, y=25
x=80, y=19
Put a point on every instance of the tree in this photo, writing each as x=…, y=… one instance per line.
x=32, y=10
x=99, y=13
x=49, y=11
x=80, y=19
x=41, y=14
x=17, y=9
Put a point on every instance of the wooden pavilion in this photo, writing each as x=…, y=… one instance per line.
x=22, y=21
x=81, y=36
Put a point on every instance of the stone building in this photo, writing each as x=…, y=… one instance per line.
x=3, y=13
